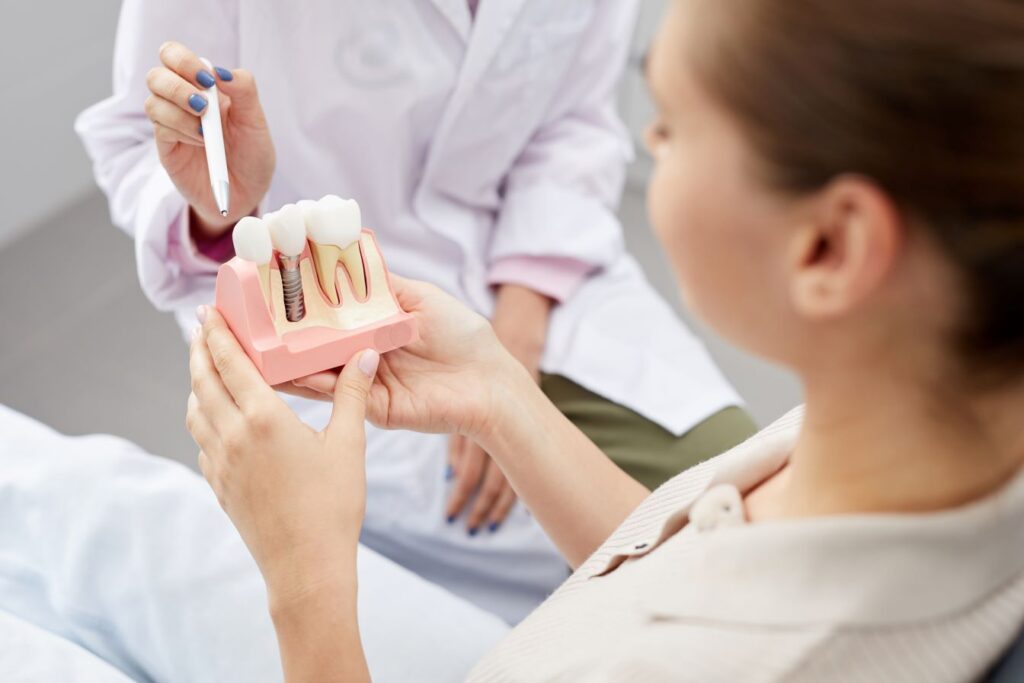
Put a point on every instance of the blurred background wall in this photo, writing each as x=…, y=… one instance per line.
x=81, y=349
x=48, y=82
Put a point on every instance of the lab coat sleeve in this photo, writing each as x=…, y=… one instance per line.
x=119, y=139
x=556, y=278
x=560, y=196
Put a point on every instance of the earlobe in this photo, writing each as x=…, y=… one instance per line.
x=813, y=283
x=846, y=250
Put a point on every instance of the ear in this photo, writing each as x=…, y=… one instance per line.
x=846, y=249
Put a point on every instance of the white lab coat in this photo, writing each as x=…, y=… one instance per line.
x=464, y=142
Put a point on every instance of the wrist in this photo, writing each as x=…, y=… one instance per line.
x=293, y=589
x=521, y=319
x=515, y=398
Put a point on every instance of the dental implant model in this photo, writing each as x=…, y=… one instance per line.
x=288, y=233
x=301, y=306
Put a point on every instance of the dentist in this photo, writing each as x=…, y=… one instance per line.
x=482, y=142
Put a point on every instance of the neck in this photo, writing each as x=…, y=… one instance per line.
x=878, y=443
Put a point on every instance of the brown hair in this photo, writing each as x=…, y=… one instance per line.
x=925, y=97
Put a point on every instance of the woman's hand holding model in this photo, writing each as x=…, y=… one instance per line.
x=175, y=105
x=297, y=496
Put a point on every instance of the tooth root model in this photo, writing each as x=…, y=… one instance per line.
x=334, y=225
x=288, y=233
x=320, y=301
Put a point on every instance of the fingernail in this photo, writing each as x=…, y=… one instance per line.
x=194, y=334
x=451, y=519
x=368, y=363
x=473, y=531
x=493, y=526
x=197, y=102
x=201, y=130
x=223, y=74
x=201, y=313
x=449, y=473
x=205, y=79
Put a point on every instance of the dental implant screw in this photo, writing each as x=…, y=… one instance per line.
x=291, y=283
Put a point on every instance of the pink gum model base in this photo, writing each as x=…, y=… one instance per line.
x=240, y=299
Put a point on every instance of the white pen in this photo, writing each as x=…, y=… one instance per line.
x=213, y=137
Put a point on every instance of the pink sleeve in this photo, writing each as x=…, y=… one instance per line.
x=557, y=277
x=220, y=249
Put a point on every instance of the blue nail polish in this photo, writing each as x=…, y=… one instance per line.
x=201, y=130
x=205, y=79
x=449, y=473
x=451, y=519
x=472, y=532
x=197, y=102
x=223, y=74
x=494, y=526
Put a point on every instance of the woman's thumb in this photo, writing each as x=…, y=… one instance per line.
x=240, y=86
x=352, y=390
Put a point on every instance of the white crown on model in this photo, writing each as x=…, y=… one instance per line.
x=334, y=225
x=251, y=238
x=334, y=220
x=287, y=230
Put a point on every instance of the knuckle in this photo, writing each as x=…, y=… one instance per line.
x=219, y=354
x=173, y=55
x=181, y=91
x=258, y=418
x=463, y=487
x=355, y=391
x=152, y=76
x=245, y=77
x=234, y=442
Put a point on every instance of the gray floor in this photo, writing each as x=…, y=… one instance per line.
x=82, y=349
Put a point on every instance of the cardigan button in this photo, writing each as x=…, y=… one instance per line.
x=719, y=507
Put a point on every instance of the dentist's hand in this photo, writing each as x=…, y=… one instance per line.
x=175, y=105
x=520, y=322
x=296, y=496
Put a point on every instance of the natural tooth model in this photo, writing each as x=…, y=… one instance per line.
x=334, y=226
x=251, y=238
x=288, y=234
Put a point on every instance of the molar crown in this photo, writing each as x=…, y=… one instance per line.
x=336, y=221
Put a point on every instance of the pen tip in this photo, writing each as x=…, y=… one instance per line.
x=224, y=213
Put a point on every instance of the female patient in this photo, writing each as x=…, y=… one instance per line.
x=841, y=188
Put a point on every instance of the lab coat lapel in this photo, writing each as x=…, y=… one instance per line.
x=494, y=20
x=457, y=14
